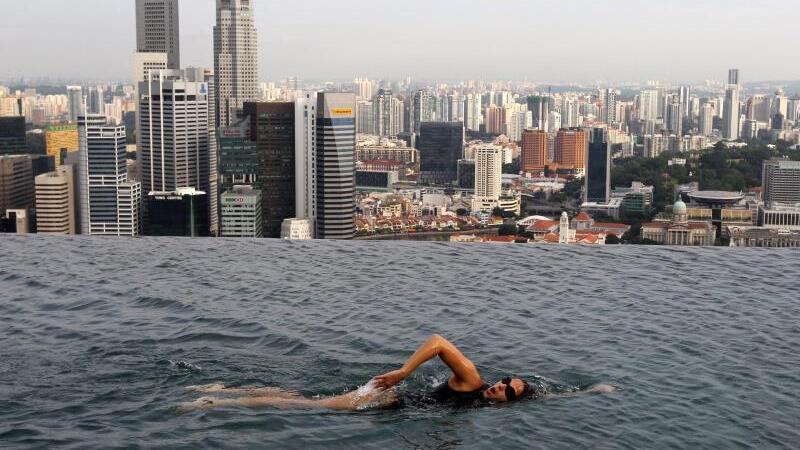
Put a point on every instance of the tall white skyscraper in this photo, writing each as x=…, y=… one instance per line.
x=174, y=140
x=157, y=29
x=109, y=201
x=473, y=113
x=235, y=59
x=648, y=105
x=731, y=114
x=305, y=117
x=488, y=176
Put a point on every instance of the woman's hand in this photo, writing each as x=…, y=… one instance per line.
x=390, y=379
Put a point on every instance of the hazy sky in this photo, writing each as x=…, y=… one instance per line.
x=548, y=41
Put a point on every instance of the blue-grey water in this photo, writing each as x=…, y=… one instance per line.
x=99, y=337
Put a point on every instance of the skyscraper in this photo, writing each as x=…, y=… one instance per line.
x=272, y=128
x=174, y=140
x=598, y=168
x=109, y=203
x=534, y=150
x=473, y=115
x=157, y=29
x=235, y=58
x=440, y=145
x=706, y=123
x=55, y=202
x=488, y=176
x=732, y=118
x=335, y=166
x=385, y=115
x=12, y=135
x=75, y=102
x=608, y=100
x=675, y=118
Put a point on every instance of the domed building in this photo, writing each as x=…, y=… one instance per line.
x=679, y=230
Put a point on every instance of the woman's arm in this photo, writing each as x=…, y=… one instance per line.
x=465, y=376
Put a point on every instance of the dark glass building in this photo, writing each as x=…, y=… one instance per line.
x=440, y=145
x=272, y=128
x=238, y=158
x=466, y=174
x=12, y=136
x=598, y=168
x=180, y=213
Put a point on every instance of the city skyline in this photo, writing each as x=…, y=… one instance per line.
x=620, y=42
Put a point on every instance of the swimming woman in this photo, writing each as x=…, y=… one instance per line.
x=465, y=387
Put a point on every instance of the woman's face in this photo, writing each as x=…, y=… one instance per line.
x=497, y=392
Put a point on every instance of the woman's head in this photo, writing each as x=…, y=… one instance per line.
x=507, y=390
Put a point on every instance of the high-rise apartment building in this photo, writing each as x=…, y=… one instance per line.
x=706, y=120
x=570, y=149
x=597, y=183
x=16, y=183
x=61, y=139
x=608, y=102
x=473, y=112
x=539, y=106
x=420, y=109
x=365, y=117
x=534, y=151
x=488, y=175
x=648, y=105
x=781, y=181
x=12, y=135
x=335, y=166
x=440, y=145
x=109, y=202
x=387, y=113
x=158, y=31
x=174, y=140
x=235, y=58
x=674, y=118
x=56, y=202
x=272, y=128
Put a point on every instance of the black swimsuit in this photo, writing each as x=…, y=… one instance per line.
x=445, y=395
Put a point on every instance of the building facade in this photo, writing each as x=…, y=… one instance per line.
x=175, y=148
x=109, y=202
x=157, y=29
x=597, y=183
x=441, y=146
x=16, y=183
x=570, y=149
x=179, y=213
x=534, y=151
x=781, y=181
x=241, y=213
x=61, y=139
x=12, y=136
x=235, y=58
x=56, y=201
x=272, y=128
x=335, y=166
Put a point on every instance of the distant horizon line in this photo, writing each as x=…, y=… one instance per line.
x=33, y=81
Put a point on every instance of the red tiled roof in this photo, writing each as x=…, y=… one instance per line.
x=551, y=238
x=583, y=217
x=542, y=225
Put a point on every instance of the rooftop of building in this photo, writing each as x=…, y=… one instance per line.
x=716, y=197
